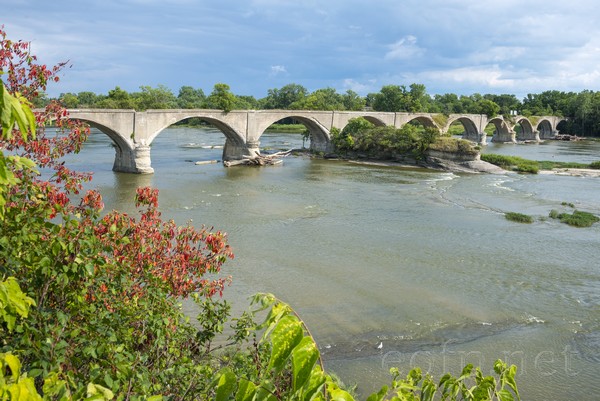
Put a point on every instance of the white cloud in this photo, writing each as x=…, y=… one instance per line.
x=278, y=69
x=360, y=88
x=404, y=49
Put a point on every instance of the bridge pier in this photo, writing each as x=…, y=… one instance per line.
x=237, y=151
x=508, y=136
x=136, y=160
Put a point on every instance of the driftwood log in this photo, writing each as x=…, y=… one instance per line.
x=258, y=160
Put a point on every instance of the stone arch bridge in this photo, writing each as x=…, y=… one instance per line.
x=133, y=131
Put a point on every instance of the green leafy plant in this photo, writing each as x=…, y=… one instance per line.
x=518, y=217
x=577, y=218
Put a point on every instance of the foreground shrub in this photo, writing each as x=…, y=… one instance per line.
x=100, y=312
x=292, y=370
x=595, y=165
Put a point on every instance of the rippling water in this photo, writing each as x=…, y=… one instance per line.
x=399, y=267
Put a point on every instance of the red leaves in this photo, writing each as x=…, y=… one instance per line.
x=160, y=253
x=125, y=258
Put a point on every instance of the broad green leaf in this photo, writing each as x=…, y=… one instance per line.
x=286, y=335
x=13, y=364
x=262, y=394
x=246, y=390
x=315, y=383
x=98, y=392
x=304, y=357
x=505, y=395
x=379, y=396
x=337, y=394
x=226, y=385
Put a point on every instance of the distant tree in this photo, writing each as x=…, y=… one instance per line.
x=283, y=98
x=117, y=99
x=246, y=103
x=221, y=98
x=160, y=97
x=353, y=101
x=370, y=99
x=391, y=98
x=88, y=99
x=448, y=103
x=506, y=102
x=321, y=99
x=419, y=99
x=190, y=98
x=487, y=107
x=69, y=100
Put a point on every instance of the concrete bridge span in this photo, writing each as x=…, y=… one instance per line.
x=133, y=131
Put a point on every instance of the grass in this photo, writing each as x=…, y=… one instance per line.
x=519, y=164
x=512, y=163
x=519, y=217
x=299, y=128
x=595, y=165
x=549, y=165
x=576, y=219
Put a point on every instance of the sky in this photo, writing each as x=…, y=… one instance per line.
x=451, y=46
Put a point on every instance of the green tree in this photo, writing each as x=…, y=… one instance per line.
x=245, y=102
x=88, y=99
x=391, y=98
x=419, y=99
x=117, y=99
x=69, y=100
x=353, y=101
x=321, y=99
x=283, y=98
x=160, y=97
x=221, y=98
x=190, y=98
x=488, y=107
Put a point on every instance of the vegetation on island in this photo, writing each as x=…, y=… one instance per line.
x=519, y=164
x=361, y=137
x=577, y=219
x=519, y=217
x=90, y=300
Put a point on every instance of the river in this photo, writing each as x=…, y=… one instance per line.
x=398, y=267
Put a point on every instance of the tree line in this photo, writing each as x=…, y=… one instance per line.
x=582, y=109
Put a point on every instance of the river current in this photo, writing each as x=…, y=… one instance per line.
x=397, y=267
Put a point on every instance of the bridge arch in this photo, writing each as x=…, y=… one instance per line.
x=471, y=132
x=545, y=129
x=230, y=133
x=426, y=120
x=526, y=133
x=502, y=132
x=320, y=136
x=124, y=148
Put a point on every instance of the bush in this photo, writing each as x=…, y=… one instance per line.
x=518, y=217
x=576, y=219
x=595, y=165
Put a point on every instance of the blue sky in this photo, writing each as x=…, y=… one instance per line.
x=450, y=46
